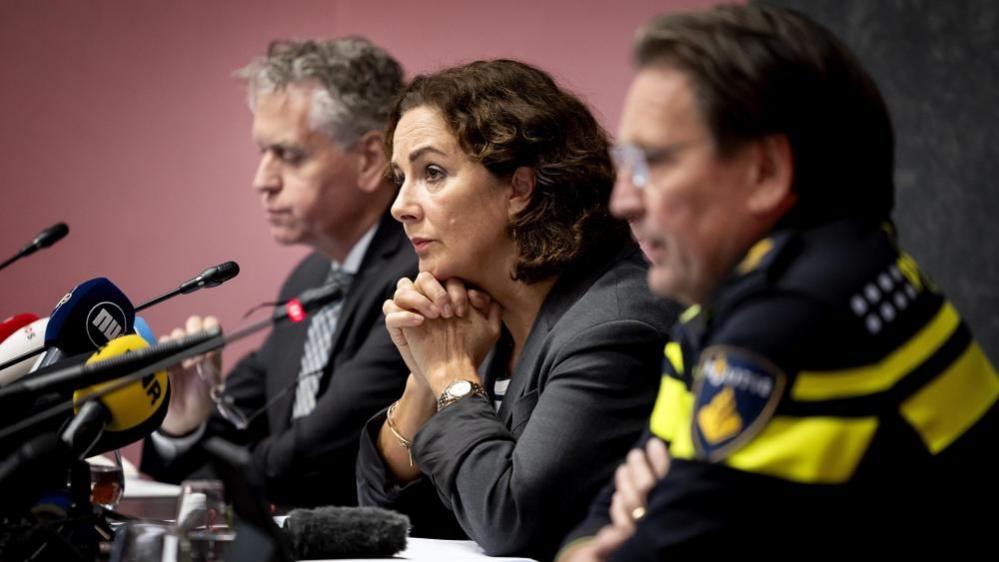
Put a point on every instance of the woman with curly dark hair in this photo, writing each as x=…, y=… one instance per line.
x=533, y=342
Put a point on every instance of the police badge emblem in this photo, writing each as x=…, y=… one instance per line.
x=736, y=393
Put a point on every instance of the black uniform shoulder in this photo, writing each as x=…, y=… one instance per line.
x=829, y=297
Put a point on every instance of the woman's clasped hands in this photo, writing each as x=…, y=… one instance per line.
x=442, y=330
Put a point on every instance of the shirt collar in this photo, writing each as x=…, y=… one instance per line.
x=353, y=261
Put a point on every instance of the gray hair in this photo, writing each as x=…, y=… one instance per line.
x=357, y=82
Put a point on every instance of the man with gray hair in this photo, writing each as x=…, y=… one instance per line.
x=300, y=400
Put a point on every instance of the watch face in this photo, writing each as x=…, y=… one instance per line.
x=460, y=388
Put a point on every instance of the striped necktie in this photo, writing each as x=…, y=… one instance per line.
x=317, y=348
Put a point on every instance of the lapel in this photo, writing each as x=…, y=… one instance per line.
x=387, y=242
x=571, y=285
x=384, y=246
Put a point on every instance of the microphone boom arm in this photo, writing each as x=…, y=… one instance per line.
x=207, y=341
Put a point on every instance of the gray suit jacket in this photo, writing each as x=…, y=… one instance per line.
x=519, y=479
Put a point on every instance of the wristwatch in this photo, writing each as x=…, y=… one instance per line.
x=458, y=390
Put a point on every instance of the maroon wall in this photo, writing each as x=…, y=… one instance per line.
x=122, y=119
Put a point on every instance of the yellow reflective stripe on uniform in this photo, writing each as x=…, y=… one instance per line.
x=950, y=404
x=689, y=313
x=682, y=445
x=817, y=450
x=827, y=385
x=910, y=270
x=755, y=255
x=671, y=417
x=674, y=354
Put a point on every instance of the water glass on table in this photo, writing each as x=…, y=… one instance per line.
x=107, y=480
x=144, y=542
x=203, y=521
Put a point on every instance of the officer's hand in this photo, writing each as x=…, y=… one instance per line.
x=191, y=382
x=633, y=480
x=583, y=552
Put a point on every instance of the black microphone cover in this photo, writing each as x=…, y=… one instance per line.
x=346, y=532
x=211, y=277
x=45, y=238
x=50, y=235
x=223, y=272
x=85, y=428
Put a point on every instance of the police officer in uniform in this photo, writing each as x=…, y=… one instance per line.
x=821, y=397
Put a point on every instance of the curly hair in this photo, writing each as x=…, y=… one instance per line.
x=507, y=114
x=358, y=80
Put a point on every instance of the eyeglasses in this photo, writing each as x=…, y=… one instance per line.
x=225, y=404
x=635, y=161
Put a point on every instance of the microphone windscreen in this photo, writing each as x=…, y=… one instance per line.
x=15, y=323
x=88, y=317
x=223, y=272
x=142, y=328
x=210, y=277
x=51, y=235
x=345, y=532
x=137, y=409
x=27, y=339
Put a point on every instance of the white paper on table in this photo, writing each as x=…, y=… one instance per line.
x=141, y=488
x=432, y=550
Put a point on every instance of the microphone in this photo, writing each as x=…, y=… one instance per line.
x=25, y=470
x=121, y=416
x=14, y=323
x=17, y=350
x=69, y=333
x=211, y=277
x=142, y=328
x=121, y=357
x=90, y=315
x=10, y=328
x=45, y=238
x=138, y=364
x=297, y=309
x=345, y=532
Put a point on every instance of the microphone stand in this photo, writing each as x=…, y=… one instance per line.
x=81, y=541
x=157, y=300
x=211, y=277
x=295, y=310
x=19, y=481
x=45, y=238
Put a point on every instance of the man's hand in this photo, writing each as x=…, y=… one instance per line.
x=632, y=481
x=191, y=382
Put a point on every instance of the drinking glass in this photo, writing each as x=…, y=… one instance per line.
x=107, y=480
x=144, y=542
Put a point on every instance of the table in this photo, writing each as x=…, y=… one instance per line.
x=153, y=500
x=147, y=499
